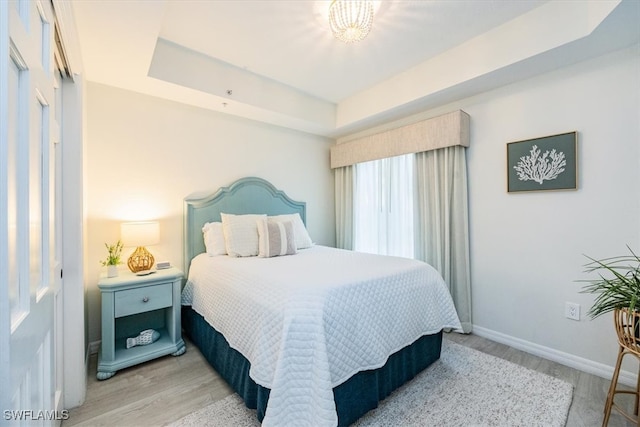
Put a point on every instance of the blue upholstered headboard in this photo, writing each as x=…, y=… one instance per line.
x=245, y=196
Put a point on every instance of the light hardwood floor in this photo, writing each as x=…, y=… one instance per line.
x=168, y=388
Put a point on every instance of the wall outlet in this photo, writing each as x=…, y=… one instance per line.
x=572, y=310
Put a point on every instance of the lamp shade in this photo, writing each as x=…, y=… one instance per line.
x=145, y=233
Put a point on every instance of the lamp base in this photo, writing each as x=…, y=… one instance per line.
x=140, y=260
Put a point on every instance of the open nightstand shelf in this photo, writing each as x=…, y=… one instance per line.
x=131, y=304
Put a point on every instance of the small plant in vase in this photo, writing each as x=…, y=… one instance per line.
x=113, y=259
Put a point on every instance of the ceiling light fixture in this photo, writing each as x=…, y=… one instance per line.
x=351, y=20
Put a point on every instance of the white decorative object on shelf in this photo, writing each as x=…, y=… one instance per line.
x=145, y=337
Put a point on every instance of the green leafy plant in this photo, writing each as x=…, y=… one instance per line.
x=617, y=285
x=115, y=251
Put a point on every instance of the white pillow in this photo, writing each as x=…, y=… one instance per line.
x=303, y=240
x=214, y=239
x=241, y=234
x=275, y=238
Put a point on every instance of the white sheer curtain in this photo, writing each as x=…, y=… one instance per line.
x=383, y=206
x=442, y=226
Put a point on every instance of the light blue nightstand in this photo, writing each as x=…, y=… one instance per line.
x=131, y=304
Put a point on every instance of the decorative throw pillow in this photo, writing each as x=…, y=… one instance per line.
x=214, y=239
x=241, y=234
x=275, y=238
x=303, y=240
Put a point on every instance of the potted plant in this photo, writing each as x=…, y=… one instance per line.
x=617, y=286
x=113, y=259
x=617, y=290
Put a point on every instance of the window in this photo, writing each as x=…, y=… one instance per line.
x=384, y=206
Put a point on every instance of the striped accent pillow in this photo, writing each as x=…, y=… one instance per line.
x=303, y=240
x=275, y=238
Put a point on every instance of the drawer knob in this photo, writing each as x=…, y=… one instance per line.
x=145, y=299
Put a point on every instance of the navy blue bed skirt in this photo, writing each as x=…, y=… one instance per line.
x=353, y=398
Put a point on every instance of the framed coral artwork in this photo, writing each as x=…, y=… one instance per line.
x=547, y=163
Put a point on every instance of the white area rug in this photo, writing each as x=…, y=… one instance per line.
x=464, y=388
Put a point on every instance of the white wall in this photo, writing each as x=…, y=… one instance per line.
x=527, y=248
x=144, y=155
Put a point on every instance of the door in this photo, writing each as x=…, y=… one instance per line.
x=56, y=234
x=28, y=288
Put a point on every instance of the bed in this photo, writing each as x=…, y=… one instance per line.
x=315, y=337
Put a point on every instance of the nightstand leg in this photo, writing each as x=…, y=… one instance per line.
x=180, y=351
x=101, y=375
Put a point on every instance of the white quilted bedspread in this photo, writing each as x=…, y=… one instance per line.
x=308, y=322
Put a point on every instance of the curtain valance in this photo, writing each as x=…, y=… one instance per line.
x=443, y=131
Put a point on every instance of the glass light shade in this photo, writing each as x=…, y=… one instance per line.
x=351, y=20
x=140, y=234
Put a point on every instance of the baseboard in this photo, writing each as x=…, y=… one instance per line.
x=570, y=360
x=87, y=355
x=94, y=347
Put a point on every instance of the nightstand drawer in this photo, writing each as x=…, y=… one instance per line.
x=139, y=300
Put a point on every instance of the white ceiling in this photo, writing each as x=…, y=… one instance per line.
x=283, y=66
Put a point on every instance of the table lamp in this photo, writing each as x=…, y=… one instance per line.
x=140, y=234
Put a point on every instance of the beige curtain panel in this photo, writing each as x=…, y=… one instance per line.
x=442, y=226
x=345, y=190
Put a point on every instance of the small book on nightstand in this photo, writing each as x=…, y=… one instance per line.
x=161, y=265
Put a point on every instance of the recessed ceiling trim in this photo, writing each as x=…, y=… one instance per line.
x=541, y=30
x=176, y=64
